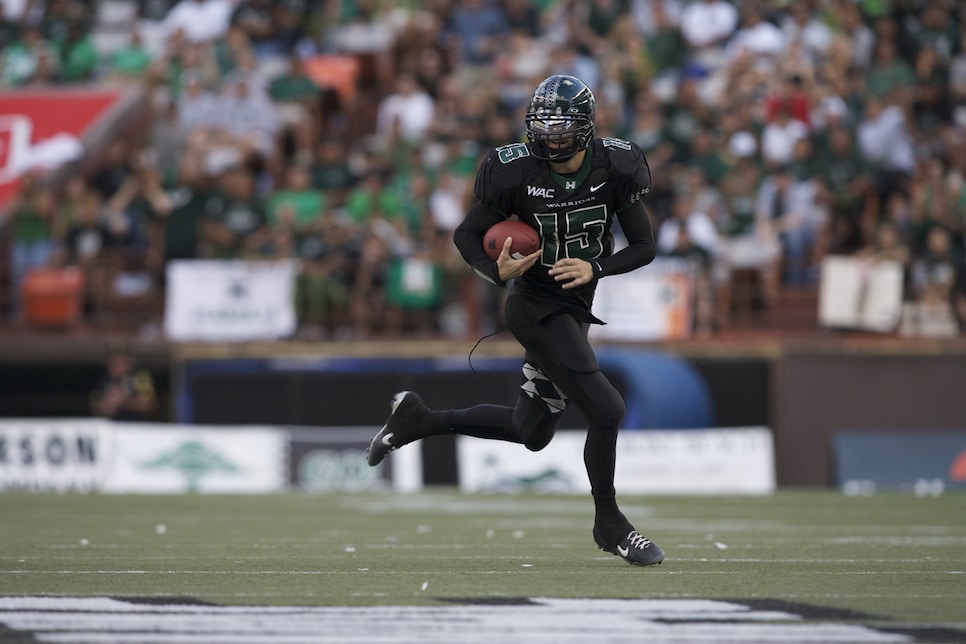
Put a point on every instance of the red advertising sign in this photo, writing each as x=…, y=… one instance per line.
x=39, y=127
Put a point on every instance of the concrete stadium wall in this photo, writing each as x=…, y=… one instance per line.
x=805, y=393
x=819, y=394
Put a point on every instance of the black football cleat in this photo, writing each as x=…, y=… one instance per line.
x=402, y=426
x=633, y=547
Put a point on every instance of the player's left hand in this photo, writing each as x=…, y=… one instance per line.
x=574, y=272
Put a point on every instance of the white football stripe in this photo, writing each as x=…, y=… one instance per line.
x=550, y=621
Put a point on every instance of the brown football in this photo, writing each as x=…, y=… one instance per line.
x=525, y=239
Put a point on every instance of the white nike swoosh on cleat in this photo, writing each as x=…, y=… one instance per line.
x=386, y=438
x=623, y=550
x=597, y=187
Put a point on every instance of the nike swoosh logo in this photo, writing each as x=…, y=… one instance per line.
x=386, y=438
x=597, y=187
x=622, y=550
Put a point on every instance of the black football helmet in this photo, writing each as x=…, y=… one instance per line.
x=560, y=119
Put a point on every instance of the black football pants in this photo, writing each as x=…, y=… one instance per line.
x=559, y=366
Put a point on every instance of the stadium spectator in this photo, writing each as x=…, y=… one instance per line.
x=522, y=16
x=750, y=251
x=474, y=34
x=786, y=208
x=936, y=199
x=860, y=37
x=249, y=119
x=707, y=25
x=235, y=221
x=257, y=20
x=665, y=47
x=126, y=392
x=330, y=169
x=793, y=94
x=522, y=58
x=91, y=242
x=368, y=288
x=324, y=287
x=196, y=109
x=645, y=127
x=132, y=61
x=89, y=235
x=885, y=142
x=846, y=183
x=137, y=205
x=890, y=77
x=296, y=205
x=371, y=198
x=201, y=21
x=229, y=52
x=930, y=95
x=758, y=39
x=693, y=217
x=79, y=58
x=447, y=202
x=690, y=234
x=33, y=224
x=301, y=102
x=570, y=60
x=30, y=59
x=934, y=282
x=414, y=292
x=407, y=113
x=779, y=136
x=888, y=244
x=684, y=116
x=187, y=201
x=803, y=24
x=651, y=16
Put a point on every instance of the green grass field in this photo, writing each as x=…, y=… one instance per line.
x=894, y=557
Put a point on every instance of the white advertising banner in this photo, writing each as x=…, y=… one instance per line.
x=652, y=303
x=81, y=455
x=172, y=459
x=707, y=461
x=230, y=300
x=69, y=455
x=334, y=460
x=860, y=293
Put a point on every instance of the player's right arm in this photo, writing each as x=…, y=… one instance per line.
x=496, y=191
x=469, y=240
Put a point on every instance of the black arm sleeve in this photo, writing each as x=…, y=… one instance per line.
x=468, y=238
x=641, y=248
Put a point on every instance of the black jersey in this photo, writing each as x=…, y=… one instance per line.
x=574, y=215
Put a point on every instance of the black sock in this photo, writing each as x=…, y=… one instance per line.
x=481, y=421
x=600, y=458
x=435, y=423
x=605, y=505
x=485, y=421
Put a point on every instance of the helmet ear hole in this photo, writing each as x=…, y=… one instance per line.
x=560, y=118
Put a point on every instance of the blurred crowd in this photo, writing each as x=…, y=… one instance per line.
x=346, y=134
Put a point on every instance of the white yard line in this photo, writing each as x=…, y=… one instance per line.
x=556, y=621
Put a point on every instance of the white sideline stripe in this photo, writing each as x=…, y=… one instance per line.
x=545, y=621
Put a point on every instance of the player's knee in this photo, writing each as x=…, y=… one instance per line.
x=608, y=415
x=536, y=428
x=538, y=440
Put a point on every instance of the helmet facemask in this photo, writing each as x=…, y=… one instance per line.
x=558, y=137
x=560, y=119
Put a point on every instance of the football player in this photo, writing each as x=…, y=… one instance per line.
x=570, y=187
